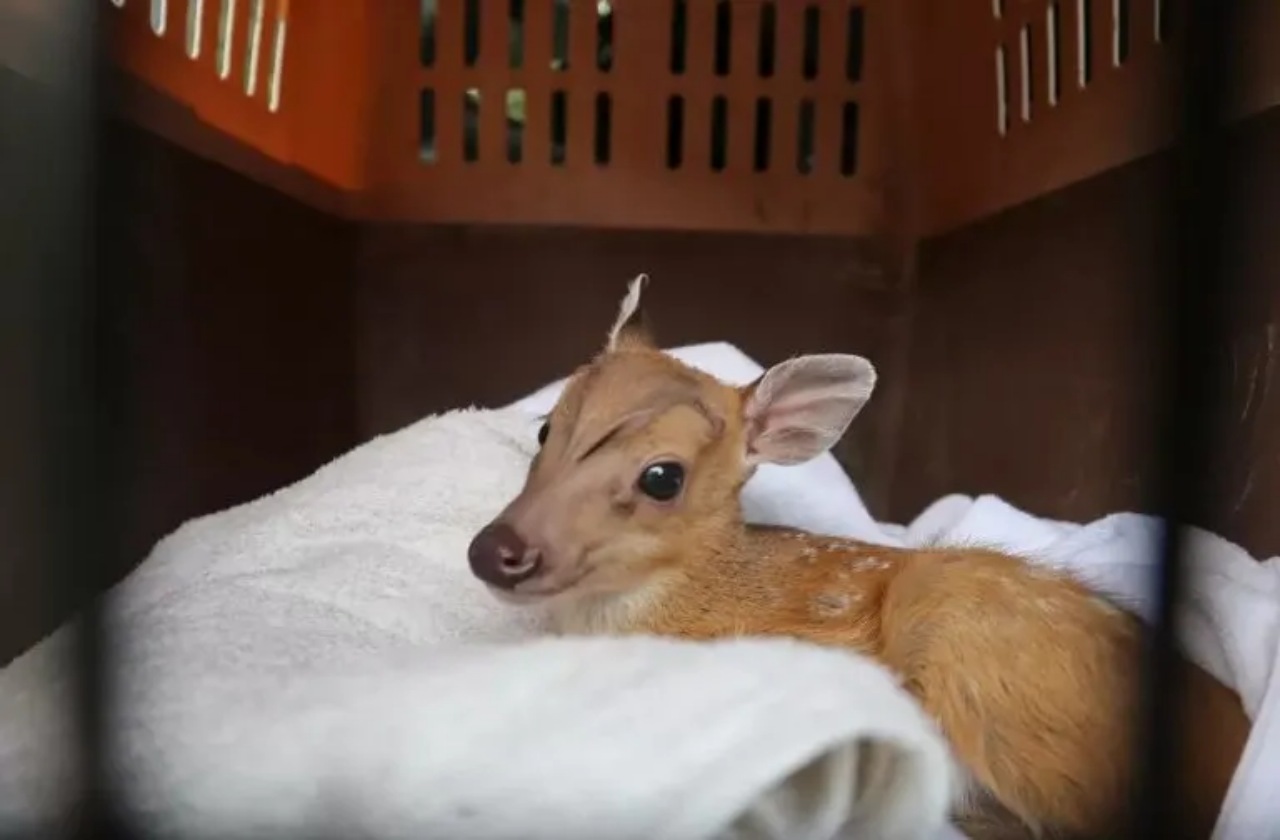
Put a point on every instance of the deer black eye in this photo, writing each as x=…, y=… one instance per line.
x=543, y=432
x=662, y=481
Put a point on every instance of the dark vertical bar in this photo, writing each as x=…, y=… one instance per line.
x=719, y=133
x=515, y=40
x=679, y=35
x=675, y=132
x=854, y=36
x=61, y=175
x=604, y=128
x=724, y=38
x=604, y=38
x=560, y=35
x=427, y=126
x=427, y=37
x=559, y=127
x=804, y=138
x=471, y=105
x=1194, y=329
x=768, y=39
x=812, y=37
x=471, y=32
x=1053, y=53
x=1084, y=12
x=764, y=127
x=849, y=139
x=1123, y=32
x=108, y=457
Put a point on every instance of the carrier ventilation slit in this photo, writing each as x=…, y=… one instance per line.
x=427, y=126
x=560, y=35
x=723, y=38
x=767, y=46
x=679, y=35
x=1026, y=72
x=471, y=103
x=1084, y=43
x=1053, y=44
x=515, y=123
x=253, y=47
x=559, y=127
x=195, y=26
x=675, y=132
x=606, y=20
x=159, y=16
x=804, y=144
x=226, y=38
x=1002, y=91
x=810, y=55
x=471, y=32
x=515, y=34
x=719, y=133
x=275, y=71
x=849, y=139
x=1120, y=32
x=763, y=135
x=603, y=128
x=427, y=36
x=854, y=39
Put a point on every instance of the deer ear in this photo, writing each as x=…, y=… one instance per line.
x=630, y=329
x=798, y=409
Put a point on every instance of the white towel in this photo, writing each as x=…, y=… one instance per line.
x=322, y=660
x=1231, y=627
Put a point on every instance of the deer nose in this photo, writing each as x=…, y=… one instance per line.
x=499, y=556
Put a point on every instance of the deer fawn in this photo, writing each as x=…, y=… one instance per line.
x=629, y=522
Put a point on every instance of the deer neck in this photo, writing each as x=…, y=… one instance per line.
x=749, y=580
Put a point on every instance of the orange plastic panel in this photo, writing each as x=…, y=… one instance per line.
x=288, y=79
x=1009, y=100
x=633, y=183
x=1022, y=97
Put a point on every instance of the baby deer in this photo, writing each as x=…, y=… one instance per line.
x=630, y=522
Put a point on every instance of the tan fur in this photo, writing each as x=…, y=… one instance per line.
x=1030, y=675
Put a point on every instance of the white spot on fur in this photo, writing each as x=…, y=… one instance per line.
x=831, y=604
x=845, y=545
x=867, y=564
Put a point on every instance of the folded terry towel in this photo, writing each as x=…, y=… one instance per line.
x=320, y=660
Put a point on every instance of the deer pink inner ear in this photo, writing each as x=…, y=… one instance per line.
x=800, y=408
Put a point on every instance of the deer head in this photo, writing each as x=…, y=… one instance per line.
x=642, y=460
